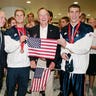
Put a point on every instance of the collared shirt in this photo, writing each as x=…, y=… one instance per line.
x=43, y=32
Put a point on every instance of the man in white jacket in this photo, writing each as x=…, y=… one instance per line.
x=75, y=52
x=17, y=59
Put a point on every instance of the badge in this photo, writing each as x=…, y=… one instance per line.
x=77, y=35
x=65, y=33
x=15, y=34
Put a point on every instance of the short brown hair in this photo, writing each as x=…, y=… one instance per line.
x=41, y=9
x=19, y=10
x=74, y=6
x=30, y=14
x=10, y=19
x=66, y=18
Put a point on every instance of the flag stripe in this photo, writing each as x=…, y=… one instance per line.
x=47, y=72
x=40, y=50
x=41, y=56
x=43, y=53
x=49, y=40
x=42, y=81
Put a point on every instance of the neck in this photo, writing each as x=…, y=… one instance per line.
x=20, y=25
x=74, y=23
x=43, y=25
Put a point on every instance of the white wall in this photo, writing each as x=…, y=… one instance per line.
x=9, y=11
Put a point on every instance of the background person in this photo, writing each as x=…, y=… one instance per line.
x=2, y=53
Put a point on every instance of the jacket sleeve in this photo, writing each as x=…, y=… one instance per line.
x=81, y=46
x=10, y=44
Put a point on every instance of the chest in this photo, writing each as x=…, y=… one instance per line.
x=75, y=34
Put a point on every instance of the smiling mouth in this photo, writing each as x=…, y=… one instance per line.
x=44, y=20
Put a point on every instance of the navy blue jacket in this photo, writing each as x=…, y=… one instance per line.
x=2, y=53
x=13, y=32
x=82, y=31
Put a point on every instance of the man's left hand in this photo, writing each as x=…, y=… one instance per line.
x=52, y=66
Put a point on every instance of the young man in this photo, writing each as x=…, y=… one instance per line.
x=17, y=59
x=45, y=30
x=63, y=22
x=75, y=52
x=2, y=60
x=31, y=22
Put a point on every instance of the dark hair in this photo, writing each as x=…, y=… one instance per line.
x=74, y=6
x=10, y=19
x=30, y=14
x=42, y=9
x=50, y=13
x=66, y=18
x=19, y=10
x=83, y=14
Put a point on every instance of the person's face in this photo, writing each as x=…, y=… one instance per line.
x=2, y=19
x=30, y=18
x=13, y=22
x=74, y=14
x=82, y=18
x=63, y=23
x=92, y=22
x=43, y=16
x=19, y=17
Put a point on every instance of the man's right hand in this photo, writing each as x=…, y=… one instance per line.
x=23, y=38
x=62, y=42
x=64, y=56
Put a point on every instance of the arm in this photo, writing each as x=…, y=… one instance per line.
x=81, y=46
x=10, y=44
x=93, y=47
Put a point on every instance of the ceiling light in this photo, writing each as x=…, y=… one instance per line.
x=88, y=15
x=59, y=14
x=55, y=17
x=28, y=2
x=75, y=2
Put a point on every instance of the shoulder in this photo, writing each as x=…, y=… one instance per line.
x=11, y=31
x=64, y=29
x=87, y=27
x=34, y=30
x=53, y=26
x=35, y=27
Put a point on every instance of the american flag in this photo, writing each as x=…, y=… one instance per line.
x=40, y=79
x=40, y=47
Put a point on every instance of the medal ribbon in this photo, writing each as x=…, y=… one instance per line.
x=21, y=31
x=70, y=36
